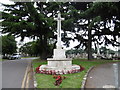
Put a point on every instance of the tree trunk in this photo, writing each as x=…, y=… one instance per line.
x=43, y=47
x=89, y=43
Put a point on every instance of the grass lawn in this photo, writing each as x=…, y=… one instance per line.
x=27, y=57
x=72, y=80
x=2, y=59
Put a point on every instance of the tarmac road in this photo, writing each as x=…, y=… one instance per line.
x=119, y=75
x=103, y=76
x=13, y=72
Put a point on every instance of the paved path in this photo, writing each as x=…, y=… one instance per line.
x=0, y=75
x=119, y=75
x=13, y=72
x=102, y=75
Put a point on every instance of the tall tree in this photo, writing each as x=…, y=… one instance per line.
x=86, y=22
x=35, y=20
x=23, y=19
x=84, y=27
x=98, y=22
x=8, y=45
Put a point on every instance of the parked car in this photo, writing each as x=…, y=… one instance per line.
x=15, y=56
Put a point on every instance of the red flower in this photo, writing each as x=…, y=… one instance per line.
x=59, y=79
x=50, y=72
x=81, y=68
x=37, y=70
x=68, y=72
x=53, y=72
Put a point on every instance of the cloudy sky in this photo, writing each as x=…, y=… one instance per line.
x=6, y=1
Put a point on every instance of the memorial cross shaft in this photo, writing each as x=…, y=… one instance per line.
x=59, y=19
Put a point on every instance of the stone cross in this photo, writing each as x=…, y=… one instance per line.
x=59, y=19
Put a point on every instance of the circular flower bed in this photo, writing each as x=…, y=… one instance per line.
x=57, y=72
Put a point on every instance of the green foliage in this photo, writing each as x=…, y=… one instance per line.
x=36, y=18
x=30, y=48
x=33, y=49
x=75, y=51
x=98, y=17
x=104, y=50
x=8, y=44
x=26, y=20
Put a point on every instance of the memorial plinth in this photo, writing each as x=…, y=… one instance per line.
x=59, y=60
x=59, y=63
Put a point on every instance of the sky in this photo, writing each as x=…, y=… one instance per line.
x=72, y=44
x=6, y=1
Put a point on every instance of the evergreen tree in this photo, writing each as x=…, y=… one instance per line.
x=86, y=22
x=98, y=18
x=35, y=20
